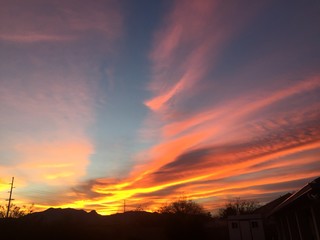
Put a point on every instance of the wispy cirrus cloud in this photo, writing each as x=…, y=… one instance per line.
x=34, y=38
x=51, y=21
x=44, y=126
x=232, y=110
x=49, y=90
x=188, y=44
x=246, y=145
x=218, y=136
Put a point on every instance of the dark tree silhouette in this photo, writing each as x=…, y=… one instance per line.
x=237, y=207
x=139, y=208
x=15, y=211
x=188, y=207
x=184, y=219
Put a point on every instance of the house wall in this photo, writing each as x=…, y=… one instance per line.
x=246, y=229
x=300, y=222
x=257, y=231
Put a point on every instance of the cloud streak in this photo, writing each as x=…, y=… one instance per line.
x=53, y=21
x=191, y=45
x=34, y=38
x=246, y=145
x=49, y=90
x=231, y=109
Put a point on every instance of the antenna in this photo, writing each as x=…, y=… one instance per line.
x=10, y=198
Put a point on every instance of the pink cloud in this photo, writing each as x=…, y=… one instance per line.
x=48, y=95
x=53, y=21
x=33, y=38
x=184, y=49
x=157, y=102
x=42, y=117
x=237, y=110
x=186, y=46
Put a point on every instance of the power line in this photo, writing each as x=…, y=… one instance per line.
x=10, y=198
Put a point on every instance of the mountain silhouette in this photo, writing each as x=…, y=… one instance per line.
x=57, y=223
x=59, y=215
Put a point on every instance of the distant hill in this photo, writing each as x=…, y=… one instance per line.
x=55, y=215
x=56, y=223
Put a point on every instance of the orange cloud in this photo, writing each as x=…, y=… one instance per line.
x=217, y=150
x=253, y=144
x=58, y=163
x=228, y=163
x=234, y=178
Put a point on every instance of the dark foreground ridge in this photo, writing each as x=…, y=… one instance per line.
x=55, y=223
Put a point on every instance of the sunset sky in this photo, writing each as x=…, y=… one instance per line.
x=152, y=100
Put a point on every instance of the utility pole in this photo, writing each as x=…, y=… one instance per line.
x=10, y=199
x=124, y=206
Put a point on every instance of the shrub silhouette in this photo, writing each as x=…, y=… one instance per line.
x=185, y=219
x=187, y=207
x=237, y=207
x=15, y=211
